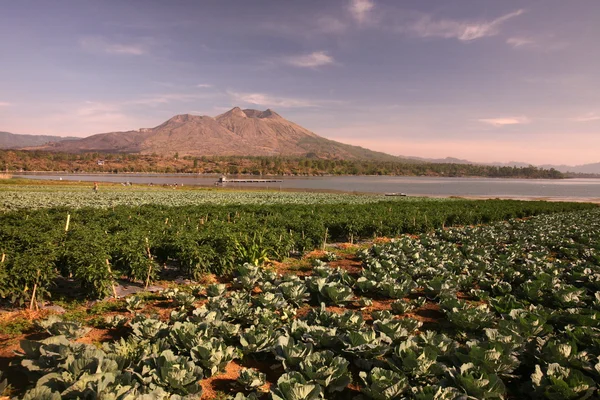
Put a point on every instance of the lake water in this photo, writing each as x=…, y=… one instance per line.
x=413, y=186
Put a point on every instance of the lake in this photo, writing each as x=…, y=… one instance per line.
x=413, y=186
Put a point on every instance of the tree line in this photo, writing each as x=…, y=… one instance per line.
x=20, y=160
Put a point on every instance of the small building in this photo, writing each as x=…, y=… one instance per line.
x=100, y=162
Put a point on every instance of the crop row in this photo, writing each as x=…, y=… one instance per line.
x=28, y=197
x=96, y=246
x=509, y=310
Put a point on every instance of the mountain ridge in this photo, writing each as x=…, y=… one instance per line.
x=590, y=168
x=236, y=132
x=14, y=141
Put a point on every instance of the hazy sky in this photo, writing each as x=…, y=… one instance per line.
x=485, y=80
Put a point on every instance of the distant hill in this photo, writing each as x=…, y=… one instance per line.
x=593, y=168
x=235, y=133
x=447, y=160
x=15, y=141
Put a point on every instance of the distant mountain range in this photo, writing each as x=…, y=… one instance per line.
x=235, y=133
x=14, y=141
x=593, y=168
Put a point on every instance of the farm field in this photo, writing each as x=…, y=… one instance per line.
x=80, y=195
x=504, y=310
x=87, y=248
x=472, y=299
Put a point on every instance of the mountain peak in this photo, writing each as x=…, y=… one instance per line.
x=184, y=118
x=234, y=112
x=268, y=113
x=237, y=112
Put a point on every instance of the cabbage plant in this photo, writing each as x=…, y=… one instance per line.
x=383, y=384
x=326, y=369
x=251, y=379
x=176, y=374
x=216, y=289
x=213, y=355
x=290, y=352
x=478, y=384
x=293, y=386
x=558, y=382
x=55, y=326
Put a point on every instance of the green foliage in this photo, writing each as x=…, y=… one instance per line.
x=331, y=292
x=135, y=303
x=562, y=383
x=148, y=328
x=257, y=339
x=529, y=328
x=293, y=386
x=328, y=370
x=215, y=236
x=295, y=292
x=55, y=326
x=251, y=379
x=382, y=384
x=176, y=373
x=15, y=326
x=252, y=250
x=215, y=289
x=401, y=307
x=470, y=318
x=290, y=353
x=213, y=355
x=131, y=256
x=478, y=384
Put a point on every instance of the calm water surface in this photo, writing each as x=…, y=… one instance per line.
x=488, y=187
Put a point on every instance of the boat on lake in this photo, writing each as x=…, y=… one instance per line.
x=222, y=180
x=396, y=194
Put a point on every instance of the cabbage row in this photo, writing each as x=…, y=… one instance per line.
x=138, y=242
x=515, y=306
x=34, y=197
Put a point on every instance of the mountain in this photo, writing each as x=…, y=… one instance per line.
x=235, y=133
x=582, y=169
x=447, y=160
x=593, y=168
x=15, y=141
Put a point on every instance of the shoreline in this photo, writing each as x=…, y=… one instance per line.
x=593, y=200
x=69, y=184
x=15, y=174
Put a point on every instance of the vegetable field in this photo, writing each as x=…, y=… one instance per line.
x=15, y=198
x=498, y=311
x=91, y=247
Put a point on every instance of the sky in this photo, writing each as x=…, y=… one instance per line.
x=483, y=80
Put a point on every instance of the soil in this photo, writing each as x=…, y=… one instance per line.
x=222, y=382
x=378, y=305
x=431, y=316
x=98, y=336
x=352, y=265
x=9, y=348
x=302, y=311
